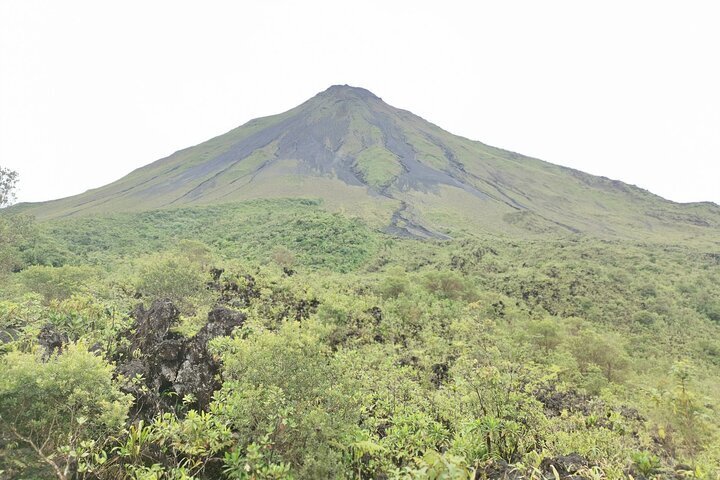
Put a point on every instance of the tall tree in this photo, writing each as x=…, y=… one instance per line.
x=8, y=180
x=15, y=229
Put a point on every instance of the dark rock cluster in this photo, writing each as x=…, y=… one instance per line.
x=51, y=340
x=243, y=290
x=555, y=402
x=565, y=467
x=161, y=366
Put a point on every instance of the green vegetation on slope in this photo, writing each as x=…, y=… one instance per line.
x=249, y=230
x=358, y=355
x=378, y=167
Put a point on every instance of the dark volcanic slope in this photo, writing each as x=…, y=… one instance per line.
x=360, y=155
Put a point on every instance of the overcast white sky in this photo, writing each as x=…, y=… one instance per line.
x=91, y=90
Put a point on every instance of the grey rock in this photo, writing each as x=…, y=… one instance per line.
x=161, y=367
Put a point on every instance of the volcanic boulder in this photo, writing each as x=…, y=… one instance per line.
x=162, y=367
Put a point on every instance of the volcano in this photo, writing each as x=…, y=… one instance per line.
x=361, y=156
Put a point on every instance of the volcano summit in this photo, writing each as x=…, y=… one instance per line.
x=350, y=149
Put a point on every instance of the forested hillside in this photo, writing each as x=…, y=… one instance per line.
x=275, y=339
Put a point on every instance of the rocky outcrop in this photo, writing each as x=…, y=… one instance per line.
x=569, y=467
x=555, y=402
x=162, y=367
x=51, y=340
x=564, y=467
x=241, y=291
x=9, y=334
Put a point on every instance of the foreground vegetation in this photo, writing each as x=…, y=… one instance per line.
x=352, y=354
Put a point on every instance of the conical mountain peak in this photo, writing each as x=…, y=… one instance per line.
x=357, y=154
x=344, y=92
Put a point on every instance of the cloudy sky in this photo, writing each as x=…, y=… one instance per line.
x=626, y=89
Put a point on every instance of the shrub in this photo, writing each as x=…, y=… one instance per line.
x=60, y=406
x=172, y=277
x=58, y=283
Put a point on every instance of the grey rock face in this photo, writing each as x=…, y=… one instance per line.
x=161, y=367
x=51, y=340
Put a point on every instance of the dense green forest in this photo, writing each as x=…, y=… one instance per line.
x=275, y=340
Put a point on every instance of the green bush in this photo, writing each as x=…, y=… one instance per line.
x=282, y=389
x=61, y=407
x=58, y=283
x=169, y=276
